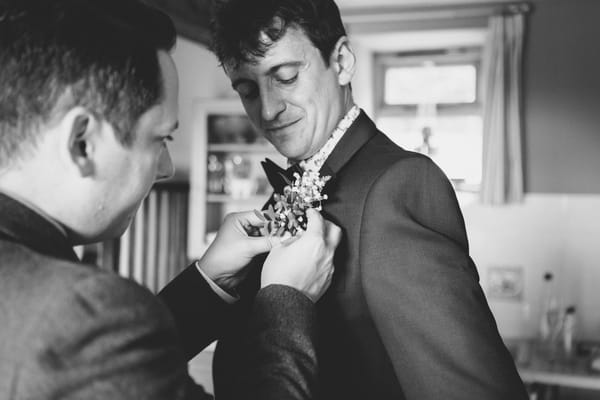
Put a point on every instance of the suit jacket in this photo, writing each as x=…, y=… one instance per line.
x=405, y=317
x=72, y=331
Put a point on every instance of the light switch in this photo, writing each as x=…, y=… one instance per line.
x=505, y=283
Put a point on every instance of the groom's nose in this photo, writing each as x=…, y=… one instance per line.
x=271, y=105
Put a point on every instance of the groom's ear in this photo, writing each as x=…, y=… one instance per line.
x=343, y=60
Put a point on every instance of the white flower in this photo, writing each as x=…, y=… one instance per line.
x=288, y=213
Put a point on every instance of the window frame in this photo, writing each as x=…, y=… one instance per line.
x=445, y=56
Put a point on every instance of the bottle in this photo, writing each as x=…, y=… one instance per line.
x=550, y=321
x=568, y=331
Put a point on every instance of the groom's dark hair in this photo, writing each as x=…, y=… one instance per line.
x=56, y=54
x=236, y=26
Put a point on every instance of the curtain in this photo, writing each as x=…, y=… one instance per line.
x=502, y=180
x=153, y=250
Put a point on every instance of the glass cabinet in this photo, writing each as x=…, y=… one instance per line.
x=226, y=174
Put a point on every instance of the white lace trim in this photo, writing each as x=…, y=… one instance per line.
x=315, y=162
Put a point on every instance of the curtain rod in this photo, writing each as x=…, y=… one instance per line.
x=407, y=14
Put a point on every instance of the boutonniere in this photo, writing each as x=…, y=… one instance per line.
x=288, y=214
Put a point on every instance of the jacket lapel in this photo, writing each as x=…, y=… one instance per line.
x=20, y=224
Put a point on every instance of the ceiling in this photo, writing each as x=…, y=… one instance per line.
x=370, y=4
x=192, y=16
x=421, y=40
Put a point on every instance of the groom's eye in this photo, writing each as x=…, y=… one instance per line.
x=289, y=80
x=287, y=75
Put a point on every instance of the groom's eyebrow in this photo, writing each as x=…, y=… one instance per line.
x=279, y=66
x=272, y=71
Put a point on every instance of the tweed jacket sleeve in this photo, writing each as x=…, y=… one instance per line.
x=281, y=361
x=422, y=290
x=105, y=338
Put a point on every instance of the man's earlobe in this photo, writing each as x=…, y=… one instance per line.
x=344, y=61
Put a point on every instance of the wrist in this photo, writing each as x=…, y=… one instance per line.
x=229, y=297
x=224, y=281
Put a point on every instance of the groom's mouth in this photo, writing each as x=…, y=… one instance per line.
x=279, y=128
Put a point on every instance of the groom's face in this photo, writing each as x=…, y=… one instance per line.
x=290, y=95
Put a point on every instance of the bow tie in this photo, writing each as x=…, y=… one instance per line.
x=279, y=177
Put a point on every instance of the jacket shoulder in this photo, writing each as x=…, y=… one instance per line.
x=73, y=323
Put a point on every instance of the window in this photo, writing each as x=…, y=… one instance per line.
x=429, y=102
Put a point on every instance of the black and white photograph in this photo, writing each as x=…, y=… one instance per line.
x=299, y=200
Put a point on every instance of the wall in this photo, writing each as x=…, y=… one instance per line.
x=547, y=232
x=562, y=98
x=200, y=76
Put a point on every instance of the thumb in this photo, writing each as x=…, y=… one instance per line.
x=315, y=224
x=334, y=233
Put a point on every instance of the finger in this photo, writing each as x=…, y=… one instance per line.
x=289, y=239
x=285, y=238
x=259, y=215
x=326, y=284
x=333, y=234
x=276, y=240
x=315, y=222
x=247, y=222
x=252, y=217
x=262, y=244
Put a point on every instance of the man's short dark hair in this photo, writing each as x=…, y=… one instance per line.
x=236, y=26
x=98, y=54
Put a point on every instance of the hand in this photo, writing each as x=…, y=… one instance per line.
x=233, y=248
x=304, y=262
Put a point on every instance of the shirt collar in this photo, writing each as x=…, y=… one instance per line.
x=38, y=211
x=316, y=161
x=21, y=224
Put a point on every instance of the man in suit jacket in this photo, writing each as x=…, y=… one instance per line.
x=405, y=317
x=88, y=102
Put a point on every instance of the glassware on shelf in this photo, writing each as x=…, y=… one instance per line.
x=239, y=182
x=216, y=175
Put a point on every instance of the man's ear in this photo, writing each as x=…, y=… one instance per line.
x=80, y=129
x=343, y=60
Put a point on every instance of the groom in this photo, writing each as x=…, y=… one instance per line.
x=405, y=317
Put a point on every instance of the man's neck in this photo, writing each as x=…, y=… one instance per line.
x=31, y=184
x=316, y=161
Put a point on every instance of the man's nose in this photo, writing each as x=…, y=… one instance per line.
x=271, y=105
x=165, y=169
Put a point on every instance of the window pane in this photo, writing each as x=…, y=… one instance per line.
x=455, y=144
x=430, y=84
